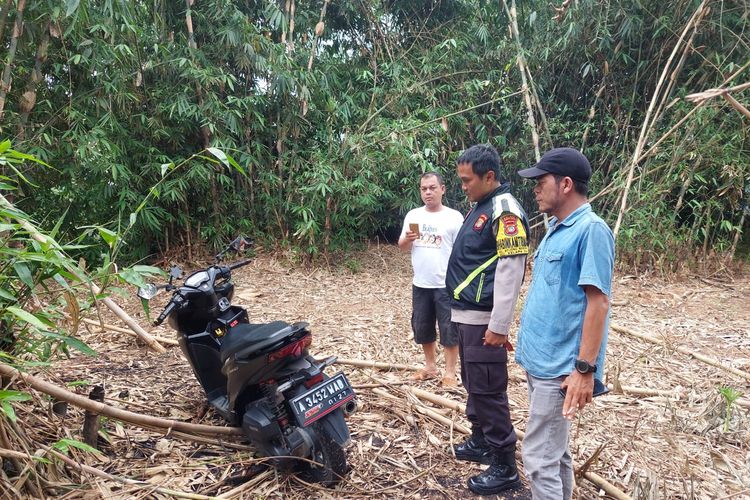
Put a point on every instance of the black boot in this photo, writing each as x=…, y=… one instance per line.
x=475, y=448
x=501, y=475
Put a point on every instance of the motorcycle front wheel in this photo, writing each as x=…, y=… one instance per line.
x=329, y=457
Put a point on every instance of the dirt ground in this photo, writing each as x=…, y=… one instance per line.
x=650, y=446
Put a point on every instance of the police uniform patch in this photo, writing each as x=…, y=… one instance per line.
x=511, y=236
x=479, y=224
x=510, y=225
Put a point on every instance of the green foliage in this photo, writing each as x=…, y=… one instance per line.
x=42, y=290
x=167, y=140
x=7, y=397
x=64, y=445
x=730, y=395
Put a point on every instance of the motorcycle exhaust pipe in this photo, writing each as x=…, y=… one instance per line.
x=350, y=408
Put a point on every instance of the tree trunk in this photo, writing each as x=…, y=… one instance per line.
x=6, y=80
x=205, y=132
x=28, y=99
x=3, y=19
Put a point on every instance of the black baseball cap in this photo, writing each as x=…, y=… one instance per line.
x=561, y=161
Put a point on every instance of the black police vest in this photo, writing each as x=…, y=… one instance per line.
x=470, y=276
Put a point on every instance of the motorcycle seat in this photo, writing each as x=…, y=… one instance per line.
x=245, y=335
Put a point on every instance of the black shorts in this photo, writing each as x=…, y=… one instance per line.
x=428, y=306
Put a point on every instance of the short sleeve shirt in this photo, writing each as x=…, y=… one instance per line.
x=576, y=252
x=430, y=252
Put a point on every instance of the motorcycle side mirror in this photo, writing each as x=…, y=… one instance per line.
x=175, y=273
x=148, y=292
x=240, y=244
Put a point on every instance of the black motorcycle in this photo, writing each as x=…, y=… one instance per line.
x=260, y=376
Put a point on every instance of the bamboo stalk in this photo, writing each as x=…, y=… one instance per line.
x=520, y=60
x=694, y=19
x=28, y=99
x=736, y=105
x=140, y=332
x=4, y=19
x=683, y=350
x=319, y=28
x=5, y=83
x=640, y=391
x=125, y=330
x=145, y=421
x=375, y=364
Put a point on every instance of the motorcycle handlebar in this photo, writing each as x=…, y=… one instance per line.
x=166, y=312
x=240, y=264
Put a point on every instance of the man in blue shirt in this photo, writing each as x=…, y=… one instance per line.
x=563, y=332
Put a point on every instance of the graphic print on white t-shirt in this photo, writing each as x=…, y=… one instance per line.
x=429, y=237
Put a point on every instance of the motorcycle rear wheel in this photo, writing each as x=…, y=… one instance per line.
x=330, y=458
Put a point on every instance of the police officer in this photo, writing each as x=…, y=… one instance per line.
x=484, y=276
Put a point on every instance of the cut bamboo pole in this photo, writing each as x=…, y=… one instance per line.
x=683, y=350
x=145, y=421
x=114, y=328
x=640, y=391
x=375, y=364
x=140, y=332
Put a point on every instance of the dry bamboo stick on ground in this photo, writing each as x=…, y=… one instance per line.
x=639, y=391
x=140, y=332
x=114, y=328
x=375, y=364
x=683, y=350
x=124, y=480
x=594, y=478
x=146, y=421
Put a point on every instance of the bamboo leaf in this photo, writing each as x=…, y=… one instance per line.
x=29, y=318
x=71, y=7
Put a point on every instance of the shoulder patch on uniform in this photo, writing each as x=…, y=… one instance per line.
x=510, y=225
x=511, y=236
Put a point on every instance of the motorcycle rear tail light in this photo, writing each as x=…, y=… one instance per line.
x=314, y=380
x=294, y=349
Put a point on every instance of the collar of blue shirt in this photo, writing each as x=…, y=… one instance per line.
x=572, y=218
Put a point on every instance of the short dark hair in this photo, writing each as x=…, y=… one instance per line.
x=433, y=174
x=581, y=188
x=483, y=158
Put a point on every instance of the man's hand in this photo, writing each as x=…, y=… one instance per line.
x=496, y=339
x=579, y=391
x=407, y=240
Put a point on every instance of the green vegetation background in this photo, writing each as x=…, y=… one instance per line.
x=326, y=124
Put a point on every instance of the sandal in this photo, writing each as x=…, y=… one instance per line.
x=449, y=382
x=423, y=375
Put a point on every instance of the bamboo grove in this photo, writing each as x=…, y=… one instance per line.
x=327, y=111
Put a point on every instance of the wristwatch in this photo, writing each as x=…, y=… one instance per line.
x=584, y=366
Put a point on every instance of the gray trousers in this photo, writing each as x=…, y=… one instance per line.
x=545, y=451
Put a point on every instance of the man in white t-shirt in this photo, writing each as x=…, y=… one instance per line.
x=429, y=232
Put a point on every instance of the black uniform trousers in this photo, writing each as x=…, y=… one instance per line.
x=484, y=374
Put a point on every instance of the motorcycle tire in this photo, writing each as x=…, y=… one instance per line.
x=330, y=458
